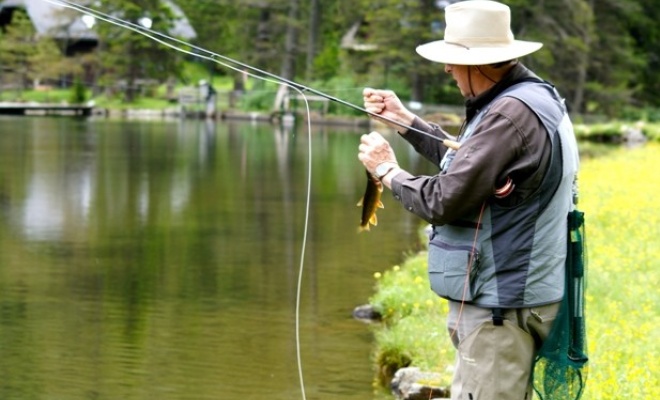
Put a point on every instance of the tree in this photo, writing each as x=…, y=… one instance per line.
x=313, y=37
x=614, y=65
x=602, y=55
x=397, y=28
x=48, y=65
x=645, y=32
x=227, y=38
x=132, y=60
x=587, y=53
x=591, y=51
x=27, y=57
x=16, y=48
x=567, y=30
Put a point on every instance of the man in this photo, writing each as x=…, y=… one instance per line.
x=499, y=204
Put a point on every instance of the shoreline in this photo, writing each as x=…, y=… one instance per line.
x=614, y=132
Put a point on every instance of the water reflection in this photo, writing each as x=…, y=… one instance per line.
x=160, y=260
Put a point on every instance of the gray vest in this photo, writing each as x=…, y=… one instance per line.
x=512, y=257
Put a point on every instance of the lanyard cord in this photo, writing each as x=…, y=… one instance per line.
x=466, y=284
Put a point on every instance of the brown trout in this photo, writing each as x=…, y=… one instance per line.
x=370, y=202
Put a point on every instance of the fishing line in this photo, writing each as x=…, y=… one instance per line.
x=447, y=141
x=275, y=79
x=471, y=260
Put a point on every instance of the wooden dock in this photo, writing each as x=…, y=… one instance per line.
x=82, y=110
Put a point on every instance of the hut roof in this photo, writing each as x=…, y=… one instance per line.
x=60, y=22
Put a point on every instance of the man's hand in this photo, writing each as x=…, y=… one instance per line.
x=375, y=150
x=386, y=104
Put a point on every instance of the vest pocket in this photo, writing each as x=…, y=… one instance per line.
x=448, y=266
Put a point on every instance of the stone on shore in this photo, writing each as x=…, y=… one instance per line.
x=412, y=384
x=366, y=313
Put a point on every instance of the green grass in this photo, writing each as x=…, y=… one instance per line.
x=413, y=330
x=39, y=96
x=619, y=194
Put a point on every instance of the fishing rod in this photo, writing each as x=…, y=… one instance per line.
x=212, y=56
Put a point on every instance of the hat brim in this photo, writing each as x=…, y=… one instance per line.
x=446, y=53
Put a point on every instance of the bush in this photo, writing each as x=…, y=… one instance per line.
x=78, y=92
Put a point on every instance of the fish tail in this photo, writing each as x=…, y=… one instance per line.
x=363, y=228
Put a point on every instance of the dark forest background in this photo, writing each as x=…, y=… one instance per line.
x=601, y=54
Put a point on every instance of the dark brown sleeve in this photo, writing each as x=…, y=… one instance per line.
x=430, y=147
x=509, y=139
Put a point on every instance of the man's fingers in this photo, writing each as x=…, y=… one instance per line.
x=368, y=92
x=364, y=139
x=373, y=102
x=374, y=109
x=370, y=140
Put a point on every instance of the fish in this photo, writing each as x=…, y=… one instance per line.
x=370, y=202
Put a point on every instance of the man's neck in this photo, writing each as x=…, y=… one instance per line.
x=484, y=77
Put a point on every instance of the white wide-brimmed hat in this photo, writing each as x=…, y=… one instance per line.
x=478, y=32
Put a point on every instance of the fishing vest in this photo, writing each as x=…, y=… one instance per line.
x=512, y=257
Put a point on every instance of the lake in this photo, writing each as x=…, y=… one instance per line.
x=161, y=260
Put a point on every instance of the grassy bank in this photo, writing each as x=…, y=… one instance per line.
x=619, y=194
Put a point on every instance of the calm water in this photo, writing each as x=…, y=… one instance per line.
x=160, y=260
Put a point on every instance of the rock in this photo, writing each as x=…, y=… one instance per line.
x=367, y=313
x=412, y=384
x=634, y=135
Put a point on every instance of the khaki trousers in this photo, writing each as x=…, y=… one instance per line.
x=496, y=362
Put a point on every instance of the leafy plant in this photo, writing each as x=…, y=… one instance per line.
x=78, y=92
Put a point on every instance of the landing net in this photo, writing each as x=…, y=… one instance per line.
x=560, y=371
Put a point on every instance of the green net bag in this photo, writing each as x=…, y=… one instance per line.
x=560, y=370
